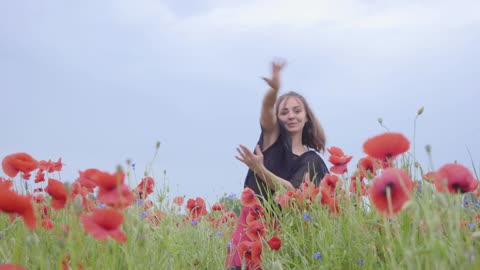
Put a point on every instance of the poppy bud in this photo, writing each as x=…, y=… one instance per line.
x=420, y=111
x=428, y=148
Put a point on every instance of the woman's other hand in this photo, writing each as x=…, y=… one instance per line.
x=254, y=161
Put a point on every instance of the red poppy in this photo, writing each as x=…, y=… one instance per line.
x=455, y=178
x=147, y=204
x=9, y=266
x=112, y=190
x=251, y=252
x=357, y=185
x=104, y=222
x=368, y=167
x=155, y=217
x=13, y=203
x=48, y=224
x=178, y=200
x=19, y=162
x=57, y=191
x=288, y=199
x=274, y=243
x=338, y=159
x=40, y=176
x=248, y=197
x=105, y=180
x=255, y=230
x=118, y=197
x=87, y=178
x=50, y=166
x=145, y=187
x=5, y=184
x=329, y=183
x=218, y=207
x=430, y=177
x=256, y=212
x=395, y=182
x=196, y=207
x=386, y=146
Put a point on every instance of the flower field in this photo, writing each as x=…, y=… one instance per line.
x=389, y=213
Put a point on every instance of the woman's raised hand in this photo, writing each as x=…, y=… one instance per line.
x=274, y=81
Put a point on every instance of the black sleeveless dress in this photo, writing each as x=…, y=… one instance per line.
x=280, y=160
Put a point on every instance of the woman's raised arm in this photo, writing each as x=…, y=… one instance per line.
x=268, y=119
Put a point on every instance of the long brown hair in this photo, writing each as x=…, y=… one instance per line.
x=313, y=135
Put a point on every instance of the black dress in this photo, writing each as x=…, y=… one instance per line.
x=280, y=160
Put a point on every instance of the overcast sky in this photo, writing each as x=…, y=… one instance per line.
x=100, y=82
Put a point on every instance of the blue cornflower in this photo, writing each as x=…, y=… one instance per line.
x=143, y=215
x=318, y=256
x=361, y=261
x=220, y=233
x=229, y=245
x=139, y=202
x=232, y=196
x=102, y=205
x=470, y=225
x=194, y=222
x=133, y=165
x=307, y=217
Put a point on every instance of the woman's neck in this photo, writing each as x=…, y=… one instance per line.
x=297, y=147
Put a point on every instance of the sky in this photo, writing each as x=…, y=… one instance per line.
x=100, y=82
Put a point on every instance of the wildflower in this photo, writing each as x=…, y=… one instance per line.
x=57, y=191
x=251, y=252
x=367, y=166
x=14, y=203
x=256, y=212
x=455, y=178
x=19, y=162
x=40, y=176
x=307, y=217
x=145, y=187
x=232, y=196
x=218, y=207
x=178, y=200
x=338, y=159
x=112, y=190
x=48, y=224
x=86, y=179
x=256, y=230
x=329, y=183
x=196, y=207
x=155, y=218
x=103, y=223
x=361, y=261
x=50, y=166
x=357, y=186
x=430, y=177
x=194, y=222
x=274, y=243
x=318, y=256
x=143, y=215
x=220, y=233
x=391, y=189
x=248, y=197
x=386, y=146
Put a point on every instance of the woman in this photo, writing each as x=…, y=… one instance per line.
x=286, y=151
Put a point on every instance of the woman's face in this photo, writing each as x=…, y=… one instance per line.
x=292, y=114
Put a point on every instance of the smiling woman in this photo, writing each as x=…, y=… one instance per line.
x=285, y=156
